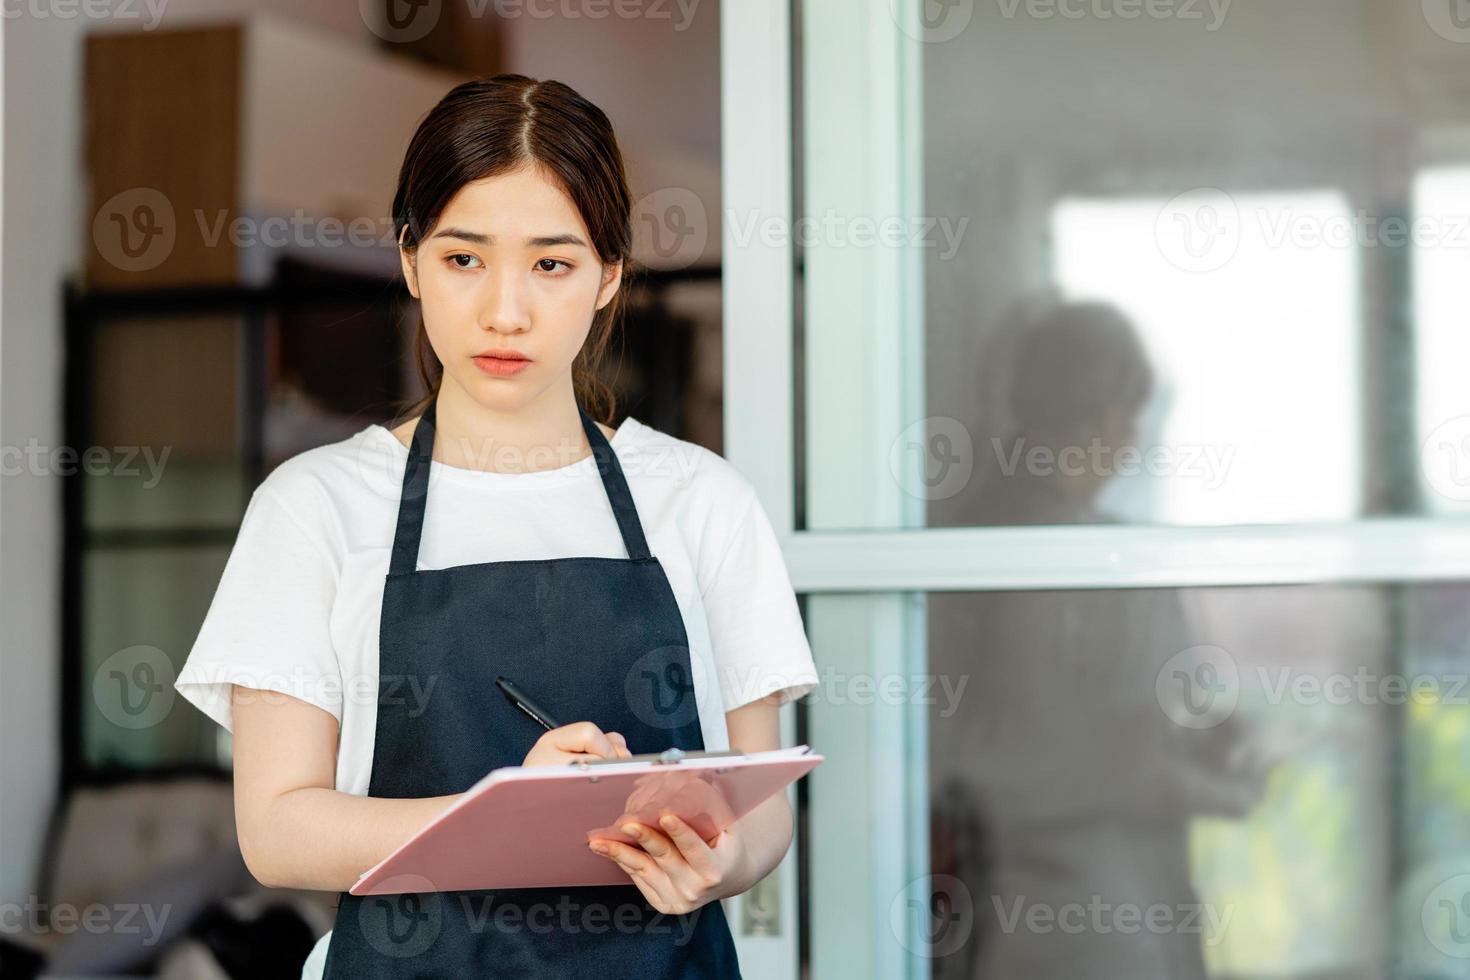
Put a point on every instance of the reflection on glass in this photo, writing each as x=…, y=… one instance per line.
x=1276, y=775
x=1275, y=196
x=1255, y=416
x=1057, y=451
x=1441, y=291
x=1206, y=782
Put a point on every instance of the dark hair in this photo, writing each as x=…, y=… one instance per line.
x=499, y=124
x=1077, y=362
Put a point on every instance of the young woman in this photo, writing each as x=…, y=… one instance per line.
x=628, y=581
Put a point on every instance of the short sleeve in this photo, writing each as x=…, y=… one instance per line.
x=759, y=644
x=268, y=624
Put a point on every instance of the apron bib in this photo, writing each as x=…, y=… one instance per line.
x=596, y=639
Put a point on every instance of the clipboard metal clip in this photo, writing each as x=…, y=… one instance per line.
x=667, y=757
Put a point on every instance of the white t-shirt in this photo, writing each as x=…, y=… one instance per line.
x=297, y=608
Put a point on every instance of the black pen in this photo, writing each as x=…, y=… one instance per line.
x=518, y=698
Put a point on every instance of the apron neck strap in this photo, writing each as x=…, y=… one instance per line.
x=416, y=492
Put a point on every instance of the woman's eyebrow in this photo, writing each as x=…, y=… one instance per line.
x=479, y=238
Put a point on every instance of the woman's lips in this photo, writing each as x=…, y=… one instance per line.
x=501, y=367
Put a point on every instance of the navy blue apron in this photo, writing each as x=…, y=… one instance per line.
x=594, y=639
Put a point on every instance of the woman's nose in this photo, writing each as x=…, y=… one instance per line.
x=505, y=305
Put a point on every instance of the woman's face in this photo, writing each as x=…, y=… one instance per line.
x=509, y=266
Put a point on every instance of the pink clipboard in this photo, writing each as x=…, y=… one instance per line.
x=522, y=827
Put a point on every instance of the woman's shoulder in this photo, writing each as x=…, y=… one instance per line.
x=659, y=458
x=340, y=475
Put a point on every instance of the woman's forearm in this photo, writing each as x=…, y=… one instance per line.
x=766, y=831
x=320, y=838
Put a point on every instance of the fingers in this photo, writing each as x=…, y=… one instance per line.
x=699, y=856
x=577, y=739
x=653, y=843
x=620, y=743
x=651, y=880
x=582, y=737
x=680, y=852
x=632, y=859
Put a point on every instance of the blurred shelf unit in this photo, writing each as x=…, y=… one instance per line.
x=213, y=149
x=238, y=304
x=186, y=398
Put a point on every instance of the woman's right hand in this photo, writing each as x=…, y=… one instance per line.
x=574, y=742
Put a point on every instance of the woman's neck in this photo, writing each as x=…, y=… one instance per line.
x=543, y=434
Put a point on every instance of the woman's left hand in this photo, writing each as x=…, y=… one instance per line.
x=674, y=868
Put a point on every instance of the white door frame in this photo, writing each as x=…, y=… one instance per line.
x=755, y=159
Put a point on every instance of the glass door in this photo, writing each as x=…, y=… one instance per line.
x=1099, y=365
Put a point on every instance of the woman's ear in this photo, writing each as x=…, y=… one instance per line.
x=612, y=278
x=409, y=258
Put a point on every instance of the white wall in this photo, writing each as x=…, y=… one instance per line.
x=42, y=203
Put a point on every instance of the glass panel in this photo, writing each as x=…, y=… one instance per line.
x=1222, y=782
x=332, y=365
x=143, y=608
x=1177, y=264
x=152, y=489
x=165, y=450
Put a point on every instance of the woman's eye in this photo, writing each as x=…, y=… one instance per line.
x=464, y=260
